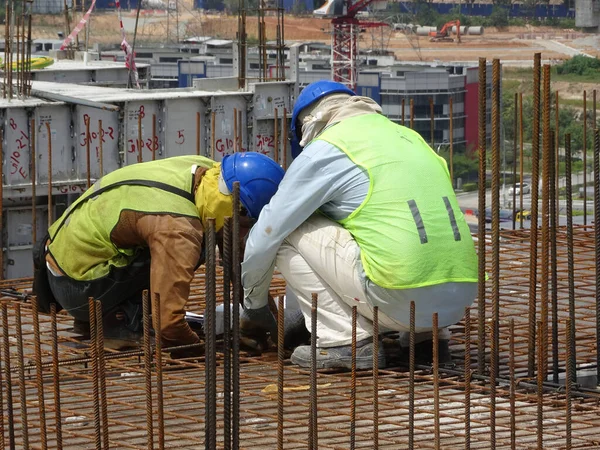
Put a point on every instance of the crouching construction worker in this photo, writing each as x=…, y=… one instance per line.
x=141, y=227
x=365, y=216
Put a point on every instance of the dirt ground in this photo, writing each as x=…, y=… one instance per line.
x=514, y=46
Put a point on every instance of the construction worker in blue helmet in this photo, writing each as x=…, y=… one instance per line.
x=142, y=227
x=365, y=216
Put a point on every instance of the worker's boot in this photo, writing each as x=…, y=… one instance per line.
x=122, y=329
x=340, y=357
x=82, y=328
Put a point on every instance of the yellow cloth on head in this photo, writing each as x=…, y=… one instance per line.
x=210, y=201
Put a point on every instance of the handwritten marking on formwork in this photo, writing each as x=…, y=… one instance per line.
x=70, y=188
x=79, y=27
x=134, y=145
x=180, y=140
x=264, y=143
x=106, y=134
x=21, y=142
x=226, y=145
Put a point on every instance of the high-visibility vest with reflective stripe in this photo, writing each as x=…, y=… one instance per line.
x=410, y=229
x=81, y=239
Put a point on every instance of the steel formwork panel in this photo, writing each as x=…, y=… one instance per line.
x=185, y=127
x=228, y=139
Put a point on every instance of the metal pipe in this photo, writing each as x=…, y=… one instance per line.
x=95, y=375
x=312, y=429
x=227, y=333
x=49, y=173
x=198, y=133
x=38, y=372
x=159, y=370
x=22, y=386
x=101, y=147
x=546, y=157
x=210, y=336
x=280, y=358
x=570, y=257
x=148, y=370
x=8, y=375
x=353, y=383
x=102, y=373
x=436, y=381
x=375, y=377
x=54, y=97
x=235, y=312
x=533, y=235
x=56, y=377
x=88, y=138
x=482, y=141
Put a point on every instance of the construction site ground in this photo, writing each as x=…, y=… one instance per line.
x=514, y=45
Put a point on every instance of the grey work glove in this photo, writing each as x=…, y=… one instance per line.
x=254, y=326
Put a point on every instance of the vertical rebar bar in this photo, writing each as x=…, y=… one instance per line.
x=148, y=370
x=403, y=107
x=235, y=131
x=213, y=116
x=22, y=385
x=49, y=173
x=554, y=257
x=546, y=160
x=241, y=130
x=594, y=119
x=436, y=381
x=140, y=139
x=88, y=139
x=2, y=429
x=56, y=377
x=432, y=122
x=495, y=199
x=8, y=376
x=514, y=163
x=198, y=133
x=568, y=381
x=597, y=239
x=533, y=235
x=102, y=374
x=411, y=378
x=280, y=358
x=451, y=138
x=412, y=113
x=95, y=380
x=285, y=138
x=493, y=375
x=159, y=370
x=276, y=135
x=313, y=432
x=2, y=200
x=375, y=377
x=353, y=383
x=100, y=148
x=467, y=378
x=227, y=333
x=482, y=142
x=584, y=157
x=570, y=256
x=540, y=387
x=33, y=181
x=235, y=313
x=154, y=137
x=210, y=336
x=513, y=386
x=38, y=372
x=521, y=155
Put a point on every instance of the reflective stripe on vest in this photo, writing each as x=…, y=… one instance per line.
x=81, y=238
x=410, y=228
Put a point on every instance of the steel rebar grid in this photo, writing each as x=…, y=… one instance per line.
x=482, y=142
x=535, y=165
x=210, y=428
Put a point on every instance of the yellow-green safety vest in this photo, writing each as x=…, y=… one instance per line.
x=410, y=229
x=81, y=239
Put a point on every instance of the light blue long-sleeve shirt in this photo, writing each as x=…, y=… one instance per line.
x=322, y=177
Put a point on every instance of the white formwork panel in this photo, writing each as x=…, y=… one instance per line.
x=229, y=111
x=17, y=151
x=270, y=99
x=108, y=136
x=136, y=149
x=185, y=127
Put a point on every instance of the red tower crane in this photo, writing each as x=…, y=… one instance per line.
x=344, y=38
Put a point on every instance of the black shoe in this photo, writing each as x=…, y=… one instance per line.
x=424, y=352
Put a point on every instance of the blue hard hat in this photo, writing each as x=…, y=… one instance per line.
x=259, y=178
x=309, y=95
